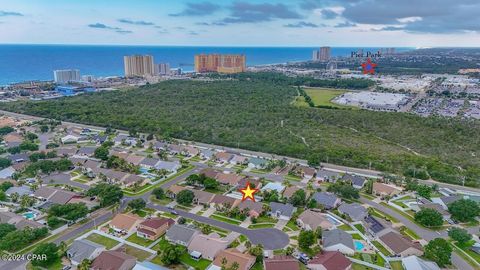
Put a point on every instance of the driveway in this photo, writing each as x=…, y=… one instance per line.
x=270, y=238
x=428, y=235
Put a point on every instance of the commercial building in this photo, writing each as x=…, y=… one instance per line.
x=66, y=75
x=222, y=63
x=321, y=55
x=138, y=65
x=162, y=69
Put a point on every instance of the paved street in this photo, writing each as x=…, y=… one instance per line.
x=428, y=235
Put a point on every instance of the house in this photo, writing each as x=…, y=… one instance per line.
x=206, y=154
x=173, y=191
x=66, y=151
x=145, y=265
x=446, y=200
x=382, y=189
x=124, y=139
x=190, y=151
x=175, y=149
x=306, y=172
x=327, y=176
x=238, y=160
x=282, y=211
x=112, y=176
x=70, y=139
x=149, y=163
x=18, y=158
x=207, y=245
x=231, y=256
x=22, y=190
x=86, y=151
x=120, y=153
x=223, y=202
x=132, y=179
x=134, y=159
x=169, y=166
x=438, y=207
x=99, y=139
x=326, y=199
x=228, y=178
x=271, y=186
x=374, y=226
x=113, y=259
x=223, y=157
x=19, y=221
x=57, y=177
x=254, y=183
x=255, y=209
x=153, y=228
x=83, y=249
x=416, y=263
x=338, y=240
x=329, y=260
x=311, y=220
x=210, y=173
x=181, y=234
x=160, y=146
x=281, y=263
x=353, y=210
x=125, y=223
x=53, y=195
x=202, y=197
x=289, y=191
x=7, y=172
x=357, y=181
x=257, y=163
x=400, y=245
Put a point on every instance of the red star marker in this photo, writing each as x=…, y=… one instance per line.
x=369, y=67
x=248, y=192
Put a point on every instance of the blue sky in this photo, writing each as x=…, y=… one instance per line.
x=242, y=23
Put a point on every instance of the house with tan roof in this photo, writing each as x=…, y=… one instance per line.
x=207, y=245
x=134, y=159
x=231, y=179
x=209, y=172
x=202, y=197
x=190, y=151
x=382, y=189
x=238, y=160
x=311, y=220
x=226, y=258
x=113, y=260
x=173, y=191
x=288, y=192
x=255, y=209
x=223, y=157
x=281, y=263
x=132, y=179
x=329, y=260
x=400, y=245
x=222, y=202
x=153, y=228
x=54, y=195
x=125, y=223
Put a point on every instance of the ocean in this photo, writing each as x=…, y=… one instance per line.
x=36, y=62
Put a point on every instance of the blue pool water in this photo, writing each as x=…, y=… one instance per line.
x=29, y=215
x=359, y=245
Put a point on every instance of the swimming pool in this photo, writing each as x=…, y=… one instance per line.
x=359, y=245
x=29, y=215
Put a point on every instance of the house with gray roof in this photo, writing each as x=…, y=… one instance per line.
x=326, y=199
x=281, y=210
x=206, y=154
x=338, y=240
x=181, y=234
x=415, y=263
x=22, y=190
x=357, y=181
x=168, y=165
x=149, y=162
x=86, y=151
x=446, y=200
x=257, y=163
x=327, y=176
x=83, y=249
x=354, y=210
x=7, y=172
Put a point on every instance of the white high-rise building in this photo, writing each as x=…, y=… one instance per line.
x=66, y=75
x=321, y=55
x=138, y=65
x=162, y=69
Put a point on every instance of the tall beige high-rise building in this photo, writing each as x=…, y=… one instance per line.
x=222, y=63
x=138, y=65
x=321, y=55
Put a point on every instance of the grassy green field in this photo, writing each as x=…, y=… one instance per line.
x=139, y=240
x=102, y=240
x=324, y=96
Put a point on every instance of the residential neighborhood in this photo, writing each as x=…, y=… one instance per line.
x=96, y=198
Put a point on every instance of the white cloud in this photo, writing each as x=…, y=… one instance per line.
x=409, y=19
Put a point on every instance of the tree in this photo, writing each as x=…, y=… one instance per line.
x=185, y=197
x=53, y=221
x=5, y=186
x=49, y=251
x=70, y=211
x=439, y=251
x=210, y=183
x=84, y=265
x=137, y=204
x=101, y=153
x=298, y=198
x=429, y=217
x=3, y=196
x=464, y=210
x=43, y=128
x=5, y=162
x=108, y=194
x=171, y=254
x=306, y=239
x=26, y=201
x=6, y=130
x=5, y=228
x=256, y=251
x=31, y=136
x=424, y=191
x=460, y=235
x=159, y=193
x=344, y=190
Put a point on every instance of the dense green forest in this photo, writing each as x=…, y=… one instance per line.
x=255, y=112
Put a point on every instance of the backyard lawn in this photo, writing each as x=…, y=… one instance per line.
x=141, y=255
x=139, y=240
x=396, y=265
x=102, y=240
x=200, y=264
x=360, y=228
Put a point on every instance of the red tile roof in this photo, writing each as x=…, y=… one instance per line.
x=281, y=263
x=331, y=260
x=157, y=222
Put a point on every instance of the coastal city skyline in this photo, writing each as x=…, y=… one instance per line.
x=255, y=23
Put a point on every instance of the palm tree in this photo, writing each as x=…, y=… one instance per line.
x=84, y=265
x=26, y=201
x=14, y=196
x=62, y=247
